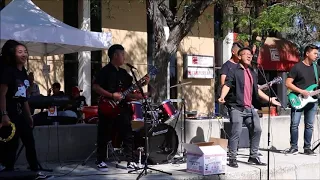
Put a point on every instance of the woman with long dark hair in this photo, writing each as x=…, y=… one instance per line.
x=15, y=108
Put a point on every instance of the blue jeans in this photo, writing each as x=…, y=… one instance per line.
x=309, y=111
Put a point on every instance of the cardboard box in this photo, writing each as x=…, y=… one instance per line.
x=205, y=158
x=218, y=141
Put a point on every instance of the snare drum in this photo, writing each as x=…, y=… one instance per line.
x=169, y=112
x=137, y=116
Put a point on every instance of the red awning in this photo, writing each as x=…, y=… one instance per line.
x=278, y=54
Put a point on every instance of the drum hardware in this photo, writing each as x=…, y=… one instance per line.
x=109, y=148
x=168, y=112
x=140, y=149
x=180, y=84
x=146, y=139
x=183, y=118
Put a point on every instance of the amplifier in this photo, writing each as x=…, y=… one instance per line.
x=244, y=141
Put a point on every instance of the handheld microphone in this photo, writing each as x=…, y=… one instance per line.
x=130, y=66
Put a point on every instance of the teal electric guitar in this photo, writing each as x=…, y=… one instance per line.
x=297, y=100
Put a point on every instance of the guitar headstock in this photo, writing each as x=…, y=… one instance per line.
x=277, y=80
x=153, y=71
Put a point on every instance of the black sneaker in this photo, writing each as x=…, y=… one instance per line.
x=309, y=152
x=102, y=166
x=291, y=151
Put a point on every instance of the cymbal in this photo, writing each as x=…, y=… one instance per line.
x=181, y=84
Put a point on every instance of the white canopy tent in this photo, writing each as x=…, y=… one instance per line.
x=44, y=35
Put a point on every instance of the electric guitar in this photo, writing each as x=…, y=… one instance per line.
x=276, y=80
x=298, y=101
x=110, y=108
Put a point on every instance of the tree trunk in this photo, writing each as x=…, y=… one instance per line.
x=160, y=16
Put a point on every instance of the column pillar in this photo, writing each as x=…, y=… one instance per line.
x=84, y=57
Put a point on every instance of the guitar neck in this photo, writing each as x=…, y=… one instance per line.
x=133, y=87
x=313, y=93
x=265, y=85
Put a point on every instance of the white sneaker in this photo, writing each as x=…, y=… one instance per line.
x=132, y=165
x=40, y=175
x=102, y=166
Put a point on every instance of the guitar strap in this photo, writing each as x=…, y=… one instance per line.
x=315, y=69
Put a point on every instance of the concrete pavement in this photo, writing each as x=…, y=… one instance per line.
x=281, y=167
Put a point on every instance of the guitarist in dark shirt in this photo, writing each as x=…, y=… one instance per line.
x=108, y=81
x=301, y=76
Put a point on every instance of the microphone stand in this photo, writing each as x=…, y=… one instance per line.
x=256, y=54
x=146, y=106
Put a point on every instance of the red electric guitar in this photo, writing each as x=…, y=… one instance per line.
x=110, y=108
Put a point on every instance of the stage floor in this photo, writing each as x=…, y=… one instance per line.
x=281, y=167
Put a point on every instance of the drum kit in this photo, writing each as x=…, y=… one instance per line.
x=163, y=139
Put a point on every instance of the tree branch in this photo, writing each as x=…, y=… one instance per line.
x=168, y=15
x=156, y=17
x=304, y=4
x=190, y=16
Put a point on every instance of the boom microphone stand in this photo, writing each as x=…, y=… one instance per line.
x=146, y=144
x=256, y=54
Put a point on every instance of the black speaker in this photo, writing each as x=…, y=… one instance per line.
x=244, y=141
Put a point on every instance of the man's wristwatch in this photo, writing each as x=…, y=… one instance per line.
x=3, y=113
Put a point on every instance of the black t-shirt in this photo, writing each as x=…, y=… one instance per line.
x=77, y=103
x=227, y=67
x=112, y=80
x=18, y=83
x=303, y=75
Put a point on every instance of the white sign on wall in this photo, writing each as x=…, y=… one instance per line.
x=200, y=61
x=274, y=54
x=200, y=72
x=198, y=67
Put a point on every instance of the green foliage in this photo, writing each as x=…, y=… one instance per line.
x=275, y=18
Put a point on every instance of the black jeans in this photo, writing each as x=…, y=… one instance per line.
x=8, y=150
x=120, y=127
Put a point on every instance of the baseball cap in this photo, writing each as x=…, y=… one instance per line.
x=76, y=90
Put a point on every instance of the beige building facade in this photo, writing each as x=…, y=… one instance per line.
x=128, y=24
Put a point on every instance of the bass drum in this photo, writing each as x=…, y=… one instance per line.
x=163, y=143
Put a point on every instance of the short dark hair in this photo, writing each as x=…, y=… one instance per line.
x=56, y=85
x=309, y=48
x=238, y=44
x=242, y=49
x=112, y=50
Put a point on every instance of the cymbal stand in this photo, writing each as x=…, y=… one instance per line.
x=147, y=106
x=182, y=119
